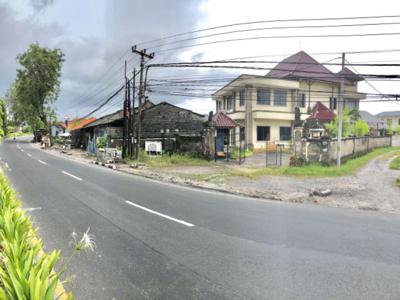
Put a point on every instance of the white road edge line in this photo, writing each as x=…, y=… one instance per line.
x=42, y=162
x=160, y=214
x=73, y=176
x=29, y=154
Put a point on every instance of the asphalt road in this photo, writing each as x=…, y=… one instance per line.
x=160, y=241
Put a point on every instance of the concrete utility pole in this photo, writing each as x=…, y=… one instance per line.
x=143, y=56
x=132, y=132
x=340, y=115
x=125, y=127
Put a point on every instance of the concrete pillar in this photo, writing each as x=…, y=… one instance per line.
x=250, y=99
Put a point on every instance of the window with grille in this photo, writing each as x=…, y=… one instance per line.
x=241, y=97
x=264, y=96
x=280, y=97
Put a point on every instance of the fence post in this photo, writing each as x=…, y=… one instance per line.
x=276, y=155
x=266, y=154
x=215, y=149
x=280, y=156
x=240, y=151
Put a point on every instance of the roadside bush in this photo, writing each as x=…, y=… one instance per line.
x=360, y=128
x=101, y=142
x=398, y=130
x=26, y=272
x=296, y=161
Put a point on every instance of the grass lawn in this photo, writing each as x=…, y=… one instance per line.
x=166, y=160
x=395, y=163
x=397, y=182
x=316, y=170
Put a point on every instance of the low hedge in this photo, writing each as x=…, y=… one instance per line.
x=26, y=272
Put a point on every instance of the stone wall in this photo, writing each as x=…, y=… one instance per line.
x=324, y=150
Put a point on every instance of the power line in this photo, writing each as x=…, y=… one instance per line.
x=269, y=21
x=276, y=28
x=283, y=37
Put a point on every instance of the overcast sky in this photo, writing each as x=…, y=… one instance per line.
x=96, y=36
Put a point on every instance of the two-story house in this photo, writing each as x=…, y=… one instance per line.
x=264, y=106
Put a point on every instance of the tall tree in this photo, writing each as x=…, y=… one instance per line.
x=3, y=119
x=37, y=86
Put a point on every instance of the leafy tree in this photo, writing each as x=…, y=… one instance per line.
x=36, y=87
x=3, y=119
x=360, y=128
x=333, y=126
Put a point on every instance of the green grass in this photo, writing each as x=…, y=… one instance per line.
x=397, y=182
x=395, y=163
x=236, y=153
x=314, y=170
x=172, y=160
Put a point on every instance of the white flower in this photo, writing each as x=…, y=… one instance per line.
x=86, y=243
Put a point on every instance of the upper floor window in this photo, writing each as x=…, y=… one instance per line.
x=229, y=102
x=241, y=97
x=280, y=97
x=332, y=103
x=219, y=105
x=301, y=99
x=351, y=104
x=264, y=96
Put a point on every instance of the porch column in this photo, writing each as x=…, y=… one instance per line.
x=250, y=97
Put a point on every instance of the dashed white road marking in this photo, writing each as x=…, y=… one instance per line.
x=30, y=155
x=160, y=214
x=71, y=175
x=23, y=150
x=42, y=162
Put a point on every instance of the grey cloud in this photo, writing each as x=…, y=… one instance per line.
x=39, y=5
x=86, y=75
x=16, y=35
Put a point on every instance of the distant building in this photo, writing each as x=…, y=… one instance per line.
x=264, y=106
x=376, y=124
x=391, y=118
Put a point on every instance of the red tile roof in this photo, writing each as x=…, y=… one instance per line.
x=321, y=113
x=221, y=120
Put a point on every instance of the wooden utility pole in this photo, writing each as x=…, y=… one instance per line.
x=143, y=56
x=340, y=114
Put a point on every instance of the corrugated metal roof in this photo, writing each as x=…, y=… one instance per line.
x=321, y=113
x=221, y=120
x=395, y=113
x=79, y=123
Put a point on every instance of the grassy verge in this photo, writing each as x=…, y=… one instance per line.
x=26, y=272
x=395, y=163
x=171, y=160
x=314, y=170
x=397, y=182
